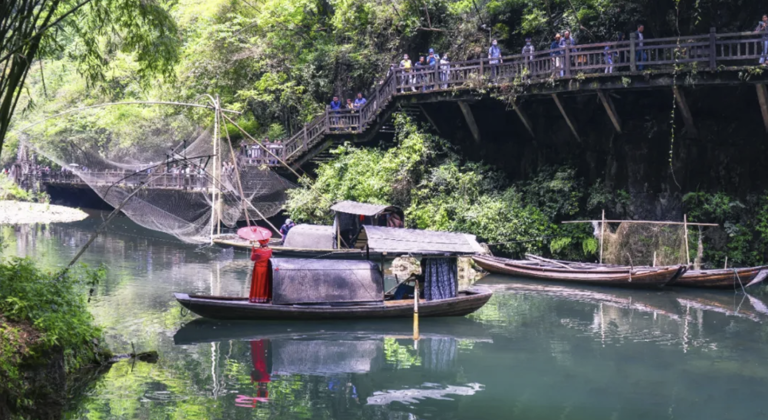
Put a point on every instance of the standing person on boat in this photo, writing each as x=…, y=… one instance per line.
x=286, y=227
x=261, y=287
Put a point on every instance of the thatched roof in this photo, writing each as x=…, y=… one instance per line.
x=365, y=209
x=413, y=241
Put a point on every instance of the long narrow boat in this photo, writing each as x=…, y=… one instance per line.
x=323, y=289
x=726, y=278
x=641, y=277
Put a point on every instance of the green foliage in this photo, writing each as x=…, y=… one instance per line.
x=55, y=307
x=743, y=235
x=10, y=191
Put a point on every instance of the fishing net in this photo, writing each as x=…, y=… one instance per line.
x=163, y=175
x=642, y=244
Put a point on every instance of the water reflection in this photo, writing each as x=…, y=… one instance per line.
x=536, y=350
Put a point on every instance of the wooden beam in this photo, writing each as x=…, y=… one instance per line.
x=648, y=222
x=470, y=120
x=687, y=116
x=610, y=109
x=431, y=121
x=523, y=118
x=565, y=115
x=762, y=97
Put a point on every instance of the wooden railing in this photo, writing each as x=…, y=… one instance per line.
x=176, y=181
x=698, y=52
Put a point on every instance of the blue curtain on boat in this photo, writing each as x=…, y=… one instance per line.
x=441, y=278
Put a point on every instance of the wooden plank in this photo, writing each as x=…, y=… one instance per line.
x=687, y=116
x=431, y=121
x=565, y=115
x=610, y=109
x=650, y=222
x=762, y=97
x=470, y=120
x=523, y=118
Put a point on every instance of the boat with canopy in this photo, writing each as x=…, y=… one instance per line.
x=313, y=289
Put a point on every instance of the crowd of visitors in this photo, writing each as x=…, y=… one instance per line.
x=265, y=151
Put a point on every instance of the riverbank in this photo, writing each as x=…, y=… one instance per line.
x=17, y=213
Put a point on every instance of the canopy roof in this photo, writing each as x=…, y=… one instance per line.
x=309, y=237
x=412, y=241
x=297, y=281
x=365, y=209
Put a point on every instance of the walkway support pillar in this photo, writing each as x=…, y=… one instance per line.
x=470, y=120
x=762, y=97
x=565, y=115
x=610, y=109
x=690, y=128
x=431, y=121
x=523, y=118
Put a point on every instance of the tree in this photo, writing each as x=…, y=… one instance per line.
x=32, y=29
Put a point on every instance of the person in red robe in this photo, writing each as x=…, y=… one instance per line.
x=261, y=285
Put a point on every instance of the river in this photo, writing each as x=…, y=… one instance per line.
x=535, y=351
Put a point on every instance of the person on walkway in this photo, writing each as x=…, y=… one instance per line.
x=527, y=52
x=432, y=60
x=762, y=28
x=494, y=55
x=565, y=43
x=406, y=77
x=556, y=53
x=640, y=55
x=420, y=68
x=261, y=284
x=445, y=70
x=335, y=107
x=360, y=101
x=286, y=227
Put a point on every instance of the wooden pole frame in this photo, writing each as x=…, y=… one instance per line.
x=641, y=221
x=602, y=234
x=687, y=251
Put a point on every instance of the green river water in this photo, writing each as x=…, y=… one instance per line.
x=535, y=351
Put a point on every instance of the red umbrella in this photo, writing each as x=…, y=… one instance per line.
x=254, y=233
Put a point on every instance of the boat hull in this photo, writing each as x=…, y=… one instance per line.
x=729, y=278
x=632, y=278
x=240, y=309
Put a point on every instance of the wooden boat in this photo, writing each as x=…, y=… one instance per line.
x=323, y=289
x=640, y=277
x=727, y=278
x=220, y=307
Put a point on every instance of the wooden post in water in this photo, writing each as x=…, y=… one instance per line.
x=602, y=233
x=416, y=313
x=685, y=228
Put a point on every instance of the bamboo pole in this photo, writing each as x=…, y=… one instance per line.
x=416, y=312
x=641, y=221
x=687, y=251
x=602, y=234
x=654, y=258
x=237, y=174
x=214, y=219
x=726, y=262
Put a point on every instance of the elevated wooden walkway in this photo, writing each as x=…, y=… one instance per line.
x=583, y=69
